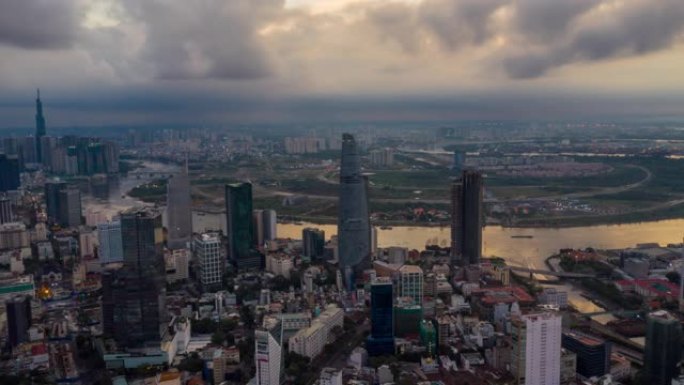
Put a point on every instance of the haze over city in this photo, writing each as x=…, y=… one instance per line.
x=277, y=61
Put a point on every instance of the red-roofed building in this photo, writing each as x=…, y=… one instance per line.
x=484, y=299
x=650, y=288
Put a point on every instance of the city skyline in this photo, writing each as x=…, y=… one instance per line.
x=491, y=59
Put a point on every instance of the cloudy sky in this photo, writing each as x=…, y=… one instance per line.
x=121, y=62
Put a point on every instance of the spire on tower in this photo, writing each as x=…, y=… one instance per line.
x=38, y=93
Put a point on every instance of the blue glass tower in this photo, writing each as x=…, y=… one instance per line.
x=381, y=340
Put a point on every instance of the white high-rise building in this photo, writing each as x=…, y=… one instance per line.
x=111, y=243
x=536, y=352
x=208, y=254
x=268, y=344
x=412, y=283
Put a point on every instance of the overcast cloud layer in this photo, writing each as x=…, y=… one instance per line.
x=266, y=50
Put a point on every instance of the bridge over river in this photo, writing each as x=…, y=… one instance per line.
x=561, y=274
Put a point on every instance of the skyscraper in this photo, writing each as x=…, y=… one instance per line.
x=111, y=244
x=240, y=227
x=663, y=348
x=53, y=200
x=265, y=226
x=268, y=345
x=535, y=355
x=9, y=173
x=353, y=227
x=178, y=210
x=313, y=243
x=134, y=309
x=18, y=319
x=208, y=252
x=466, y=218
x=69, y=207
x=270, y=224
x=381, y=339
x=40, y=127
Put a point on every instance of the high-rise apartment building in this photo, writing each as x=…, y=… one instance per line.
x=208, y=254
x=466, y=218
x=313, y=243
x=111, y=244
x=133, y=301
x=268, y=344
x=411, y=283
x=240, y=227
x=353, y=228
x=536, y=349
x=179, y=211
x=381, y=339
x=663, y=348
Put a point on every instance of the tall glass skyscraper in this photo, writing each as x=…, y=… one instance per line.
x=179, y=211
x=40, y=127
x=466, y=218
x=663, y=348
x=381, y=339
x=134, y=309
x=353, y=227
x=240, y=227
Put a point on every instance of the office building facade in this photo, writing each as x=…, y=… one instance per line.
x=353, y=228
x=209, y=256
x=111, y=244
x=411, y=283
x=381, y=339
x=133, y=301
x=467, y=218
x=663, y=348
x=18, y=312
x=179, y=211
x=69, y=207
x=593, y=353
x=9, y=173
x=313, y=243
x=240, y=227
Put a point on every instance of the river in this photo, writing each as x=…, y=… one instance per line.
x=497, y=240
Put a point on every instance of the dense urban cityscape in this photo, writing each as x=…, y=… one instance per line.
x=342, y=192
x=104, y=286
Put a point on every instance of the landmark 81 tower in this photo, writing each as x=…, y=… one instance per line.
x=353, y=227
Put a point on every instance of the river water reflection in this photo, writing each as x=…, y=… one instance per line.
x=529, y=251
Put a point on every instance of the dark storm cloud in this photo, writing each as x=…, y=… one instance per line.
x=634, y=28
x=38, y=24
x=452, y=24
x=544, y=20
x=206, y=38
